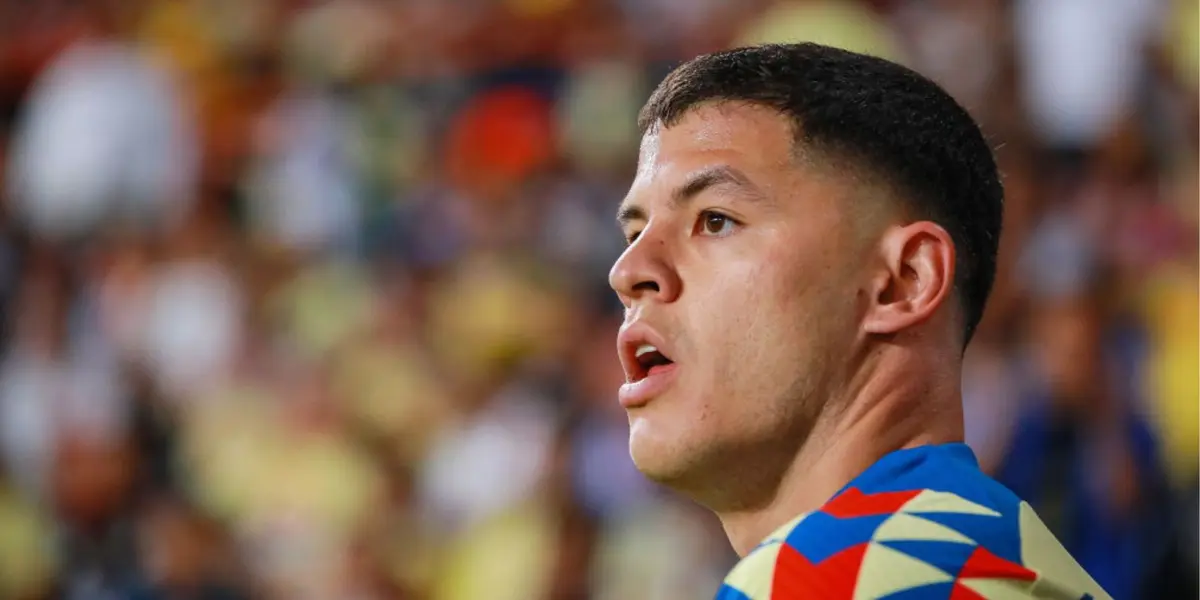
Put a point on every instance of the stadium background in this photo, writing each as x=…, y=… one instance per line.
x=306, y=299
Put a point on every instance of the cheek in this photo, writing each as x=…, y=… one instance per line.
x=744, y=327
x=730, y=318
x=777, y=324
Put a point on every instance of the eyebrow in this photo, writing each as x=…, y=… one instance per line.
x=696, y=184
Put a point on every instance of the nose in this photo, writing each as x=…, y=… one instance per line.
x=645, y=272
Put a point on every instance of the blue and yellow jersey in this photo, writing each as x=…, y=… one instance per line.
x=921, y=524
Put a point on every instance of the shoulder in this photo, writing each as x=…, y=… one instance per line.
x=916, y=543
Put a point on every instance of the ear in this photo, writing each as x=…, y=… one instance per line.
x=915, y=276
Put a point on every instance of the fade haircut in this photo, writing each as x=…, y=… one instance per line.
x=874, y=117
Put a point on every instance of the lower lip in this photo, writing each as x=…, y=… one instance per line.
x=639, y=393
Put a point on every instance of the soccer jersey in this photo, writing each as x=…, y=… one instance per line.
x=920, y=524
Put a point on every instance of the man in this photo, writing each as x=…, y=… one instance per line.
x=812, y=237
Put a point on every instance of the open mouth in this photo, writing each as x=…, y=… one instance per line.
x=650, y=358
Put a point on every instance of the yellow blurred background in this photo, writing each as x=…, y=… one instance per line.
x=306, y=299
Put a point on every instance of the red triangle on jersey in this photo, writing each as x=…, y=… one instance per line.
x=984, y=564
x=854, y=503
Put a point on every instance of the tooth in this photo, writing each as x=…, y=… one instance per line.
x=644, y=348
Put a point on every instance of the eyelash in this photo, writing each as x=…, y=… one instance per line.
x=701, y=220
x=704, y=217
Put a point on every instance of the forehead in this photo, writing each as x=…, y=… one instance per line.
x=752, y=138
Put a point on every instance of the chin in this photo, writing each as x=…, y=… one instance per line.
x=650, y=453
x=663, y=460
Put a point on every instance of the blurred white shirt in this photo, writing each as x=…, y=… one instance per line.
x=303, y=192
x=1082, y=61
x=491, y=461
x=42, y=398
x=103, y=135
x=192, y=325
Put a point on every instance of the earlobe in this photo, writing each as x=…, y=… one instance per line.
x=914, y=278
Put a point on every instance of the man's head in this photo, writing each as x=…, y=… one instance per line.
x=797, y=211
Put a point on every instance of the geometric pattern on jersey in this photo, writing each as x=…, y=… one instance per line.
x=921, y=524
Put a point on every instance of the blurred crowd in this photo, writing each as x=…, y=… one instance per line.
x=307, y=299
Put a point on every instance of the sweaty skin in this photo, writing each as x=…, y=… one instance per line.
x=810, y=324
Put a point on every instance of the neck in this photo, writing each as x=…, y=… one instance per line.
x=891, y=409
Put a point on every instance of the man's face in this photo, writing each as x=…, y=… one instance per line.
x=743, y=270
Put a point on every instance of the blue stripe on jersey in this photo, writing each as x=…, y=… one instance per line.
x=728, y=593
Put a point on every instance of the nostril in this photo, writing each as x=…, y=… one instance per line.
x=646, y=286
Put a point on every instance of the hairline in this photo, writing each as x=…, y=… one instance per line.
x=825, y=161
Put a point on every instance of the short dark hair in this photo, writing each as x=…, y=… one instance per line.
x=877, y=117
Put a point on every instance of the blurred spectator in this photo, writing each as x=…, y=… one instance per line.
x=105, y=138
x=26, y=553
x=1083, y=63
x=51, y=386
x=842, y=23
x=1082, y=453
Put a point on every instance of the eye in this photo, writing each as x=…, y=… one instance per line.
x=715, y=224
x=632, y=237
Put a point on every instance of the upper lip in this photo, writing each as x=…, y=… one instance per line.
x=632, y=336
